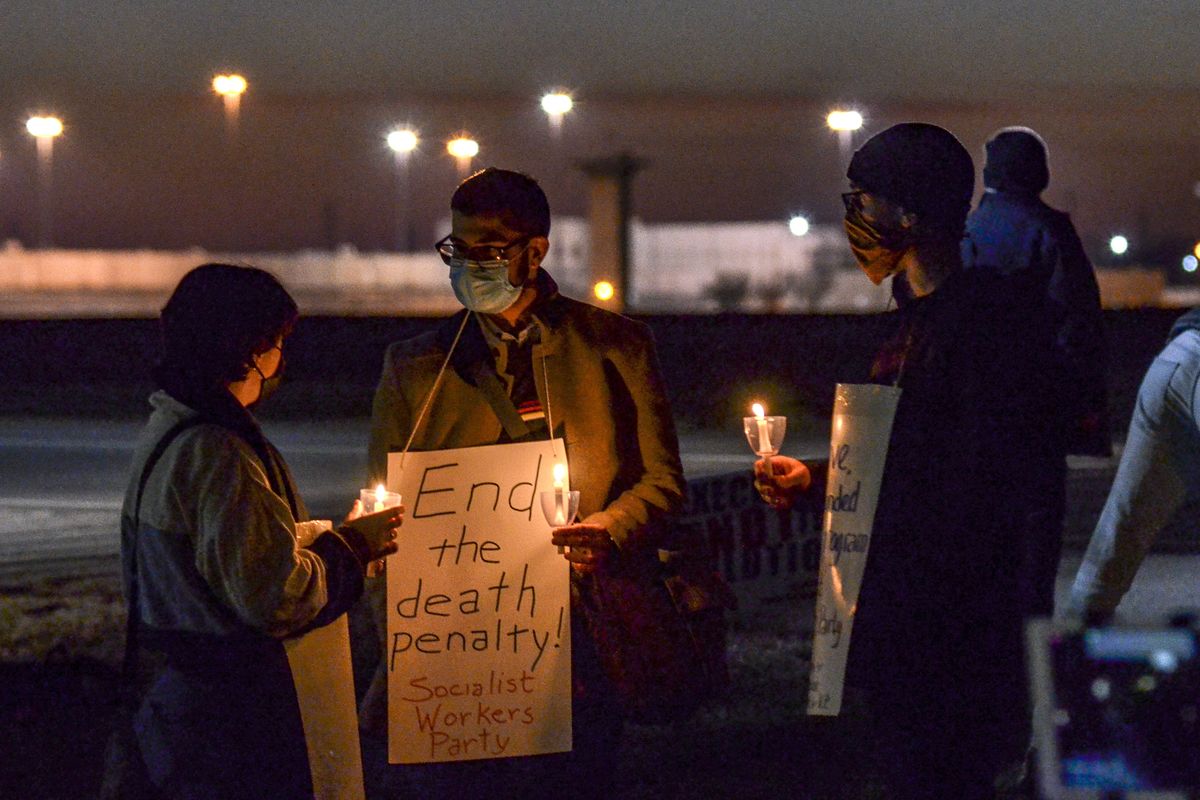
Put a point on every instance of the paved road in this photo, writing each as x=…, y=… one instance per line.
x=61, y=484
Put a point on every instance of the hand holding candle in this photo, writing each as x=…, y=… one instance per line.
x=374, y=500
x=764, y=434
x=560, y=505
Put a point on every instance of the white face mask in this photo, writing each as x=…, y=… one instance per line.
x=485, y=290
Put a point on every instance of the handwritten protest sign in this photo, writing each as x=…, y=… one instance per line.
x=478, y=614
x=862, y=427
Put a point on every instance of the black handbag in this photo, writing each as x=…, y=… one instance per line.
x=125, y=774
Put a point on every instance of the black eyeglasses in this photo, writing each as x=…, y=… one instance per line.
x=486, y=257
x=853, y=200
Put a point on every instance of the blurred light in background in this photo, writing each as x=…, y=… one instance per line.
x=556, y=103
x=229, y=85
x=463, y=147
x=844, y=120
x=44, y=127
x=604, y=291
x=1196, y=250
x=798, y=225
x=1119, y=245
x=403, y=140
x=1190, y=263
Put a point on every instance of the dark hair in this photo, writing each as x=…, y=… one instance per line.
x=512, y=197
x=218, y=318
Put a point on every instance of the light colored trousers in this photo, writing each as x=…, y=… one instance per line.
x=1159, y=473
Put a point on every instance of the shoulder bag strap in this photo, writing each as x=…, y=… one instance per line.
x=489, y=384
x=129, y=662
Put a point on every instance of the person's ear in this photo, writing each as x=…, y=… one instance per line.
x=538, y=247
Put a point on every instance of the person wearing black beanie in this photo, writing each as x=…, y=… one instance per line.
x=936, y=643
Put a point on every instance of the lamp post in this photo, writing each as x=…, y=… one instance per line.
x=402, y=142
x=44, y=130
x=463, y=148
x=844, y=122
x=231, y=88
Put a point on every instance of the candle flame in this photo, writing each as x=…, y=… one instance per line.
x=560, y=474
x=380, y=495
x=758, y=410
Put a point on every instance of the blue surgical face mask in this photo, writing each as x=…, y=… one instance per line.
x=485, y=290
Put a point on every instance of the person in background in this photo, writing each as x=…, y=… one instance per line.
x=567, y=369
x=1158, y=477
x=1014, y=234
x=228, y=565
x=937, y=636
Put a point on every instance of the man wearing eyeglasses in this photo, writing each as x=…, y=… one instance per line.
x=569, y=370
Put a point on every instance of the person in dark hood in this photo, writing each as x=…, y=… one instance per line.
x=1158, y=475
x=936, y=640
x=1013, y=232
x=1015, y=235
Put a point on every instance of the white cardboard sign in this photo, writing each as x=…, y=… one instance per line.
x=862, y=428
x=478, y=613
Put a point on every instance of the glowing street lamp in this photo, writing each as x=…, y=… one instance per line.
x=604, y=291
x=231, y=88
x=798, y=225
x=844, y=122
x=402, y=142
x=556, y=105
x=463, y=148
x=1119, y=245
x=44, y=130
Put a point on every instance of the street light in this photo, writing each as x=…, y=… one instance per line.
x=556, y=104
x=604, y=291
x=844, y=122
x=44, y=130
x=463, y=148
x=231, y=88
x=1190, y=262
x=798, y=225
x=403, y=141
x=1119, y=245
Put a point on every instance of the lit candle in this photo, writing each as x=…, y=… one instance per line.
x=560, y=494
x=378, y=499
x=764, y=430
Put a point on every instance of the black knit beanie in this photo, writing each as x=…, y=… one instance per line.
x=922, y=167
x=1016, y=162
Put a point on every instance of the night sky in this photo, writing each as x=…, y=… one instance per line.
x=725, y=99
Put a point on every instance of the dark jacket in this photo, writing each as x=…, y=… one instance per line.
x=1017, y=235
x=939, y=596
x=598, y=379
